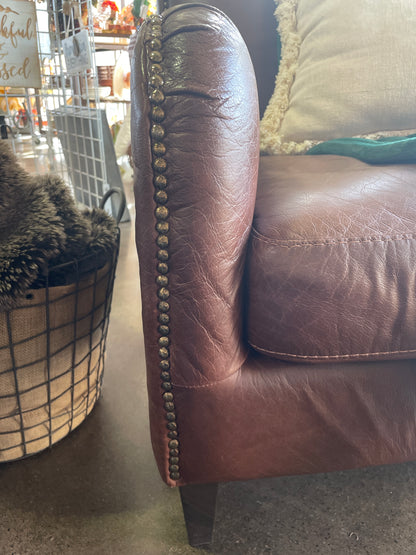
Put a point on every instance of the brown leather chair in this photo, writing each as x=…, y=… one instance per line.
x=279, y=305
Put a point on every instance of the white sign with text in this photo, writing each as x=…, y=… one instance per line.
x=19, y=60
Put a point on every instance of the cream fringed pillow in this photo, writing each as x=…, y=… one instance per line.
x=348, y=68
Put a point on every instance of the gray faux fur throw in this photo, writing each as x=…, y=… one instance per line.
x=40, y=226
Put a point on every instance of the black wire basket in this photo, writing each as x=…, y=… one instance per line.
x=52, y=347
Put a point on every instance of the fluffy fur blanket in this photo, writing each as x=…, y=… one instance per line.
x=40, y=226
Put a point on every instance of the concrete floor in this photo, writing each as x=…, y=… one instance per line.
x=98, y=491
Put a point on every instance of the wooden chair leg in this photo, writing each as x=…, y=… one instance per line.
x=198, y=503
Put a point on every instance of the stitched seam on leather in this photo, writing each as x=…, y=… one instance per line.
x=332, y=357
x=329, y=242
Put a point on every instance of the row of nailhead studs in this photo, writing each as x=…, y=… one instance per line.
x=160, y=182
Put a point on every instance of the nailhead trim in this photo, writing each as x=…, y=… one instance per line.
x=161, y=198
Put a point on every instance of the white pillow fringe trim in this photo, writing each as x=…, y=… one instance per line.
x=270, y=142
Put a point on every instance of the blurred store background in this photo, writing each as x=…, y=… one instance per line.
x=65, y=109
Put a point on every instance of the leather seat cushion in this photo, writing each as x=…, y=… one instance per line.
x=332, y=260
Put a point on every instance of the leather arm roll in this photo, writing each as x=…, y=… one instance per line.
x=257, y=25
x=195, y=150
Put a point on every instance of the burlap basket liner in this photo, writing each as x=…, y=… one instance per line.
x=51, y=362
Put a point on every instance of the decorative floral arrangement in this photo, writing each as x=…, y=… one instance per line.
x=108, y=18
x=114, y=9
x=110, y=4
x=105, y=14
x=126, y=16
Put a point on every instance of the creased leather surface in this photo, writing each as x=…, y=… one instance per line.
x=211, y=140
x=332, y=260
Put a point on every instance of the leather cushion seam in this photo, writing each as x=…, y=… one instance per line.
x=330, y=357
x=345, y=241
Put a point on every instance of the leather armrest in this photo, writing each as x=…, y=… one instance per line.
x=263, y=45
x=195, y=151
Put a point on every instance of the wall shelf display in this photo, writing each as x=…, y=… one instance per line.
x=111, y=41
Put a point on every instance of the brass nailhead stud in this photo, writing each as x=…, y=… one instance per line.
x=157, y=96
x=163, y=255
x=168, y=396
x=164, y=306
x=170, y=416
x=175, y=476
x=163, y=293
x=161, y=196
x=165, y=376
x=172, y=435
x=160, y=165
x=155, y=68
x=163, y=352
x=163, y=341
x=162, y=241
x=157, y=132
x=160, y=182
x=162, y=281
x=156, y=32
x=162, y=213
x=167, y=386
x=158, y=114
x=171, y=425
x=169, y=406
x=162, y=227
x=174, y=452
x=174, y=444
x=159, y=149
x=156, y=80
x=155, y=44
x=162, y=268
x=164, y=365
x=174, y=468
x=174, y=460
x=164, y=318
x=164, y=330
